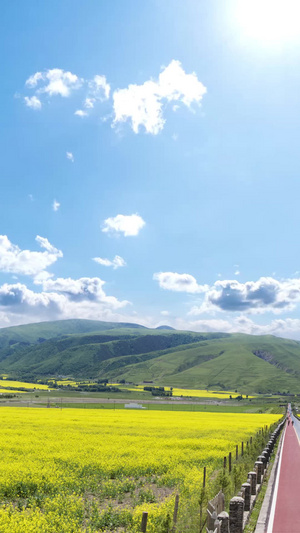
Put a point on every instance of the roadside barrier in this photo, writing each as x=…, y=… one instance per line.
x=241, y=506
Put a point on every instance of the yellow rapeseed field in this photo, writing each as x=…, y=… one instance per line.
x=194, y=393
x=17, y=384
x=10, y=391
x=74, y=471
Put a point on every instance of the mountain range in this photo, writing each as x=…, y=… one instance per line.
x=94, y=349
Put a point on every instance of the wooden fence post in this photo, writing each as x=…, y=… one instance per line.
x=204, y=476
x=229, y=462
x=144, y=522
x=175, y=513
x=242, y=449
x=237, y=452
x=225, y=462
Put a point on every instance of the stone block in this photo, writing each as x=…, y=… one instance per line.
x=247, y=496
x=259, y=471
x=224, y=519
x=236, y=515
x=253, y=481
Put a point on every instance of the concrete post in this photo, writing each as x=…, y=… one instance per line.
x=247, y=496
x=236, y=512
x=262, y=460
x=217, y=526
x=253, y=480
x=266, y=456
x=224, y=519
x=259, y=470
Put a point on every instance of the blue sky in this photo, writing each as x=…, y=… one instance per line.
x=161, y=139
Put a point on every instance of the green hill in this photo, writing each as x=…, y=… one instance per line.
x=93, y=349
x=41, y=331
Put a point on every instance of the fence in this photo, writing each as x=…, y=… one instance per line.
x=240, y=507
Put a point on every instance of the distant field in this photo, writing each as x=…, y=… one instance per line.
x=208, y=408
x=74, y=471
x=192, y=393
x=11, y=391
x=17, y=384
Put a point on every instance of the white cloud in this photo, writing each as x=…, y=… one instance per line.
x=44, y=243
x=59, y=299
x=40, y=278
x=99, y=88
x=89, y=103
x=237, y=270
x=23, y=305
x=34, y=79
x=33, y=102
x=82, y=289
x=55, y=205
x=289, y=327
x=51, y=82
x=142, y=105
x=257, y=296
x=70, y=156
x=56, y=82
x=117, y=262
x=164, y=313
x=17, y=261
x=80, y=113
x=265, y=294
x=98, y=91
x=172, y=281
x=129, y=225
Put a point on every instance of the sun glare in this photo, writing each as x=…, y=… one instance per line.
x=270, y=21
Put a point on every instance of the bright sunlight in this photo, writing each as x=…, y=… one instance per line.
x=269, y=21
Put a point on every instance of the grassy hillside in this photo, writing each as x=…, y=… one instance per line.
x=31, y=333
x=228, y=363
x=84, y=349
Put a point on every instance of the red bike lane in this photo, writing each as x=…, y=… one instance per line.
x=286, y=516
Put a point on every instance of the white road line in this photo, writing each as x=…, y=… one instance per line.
x=274, y=500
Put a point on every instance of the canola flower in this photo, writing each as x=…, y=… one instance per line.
x=17, y=384
x=60, y=470
x=193, y=393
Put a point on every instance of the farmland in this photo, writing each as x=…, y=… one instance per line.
x=189, y=393
x=8, y=383
x=83, y=471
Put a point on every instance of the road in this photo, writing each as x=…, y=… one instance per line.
x=284, y=512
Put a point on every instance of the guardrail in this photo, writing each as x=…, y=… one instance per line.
x=240, y=507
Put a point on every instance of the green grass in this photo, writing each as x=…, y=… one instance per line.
x=167, y=357
x=261, y=408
